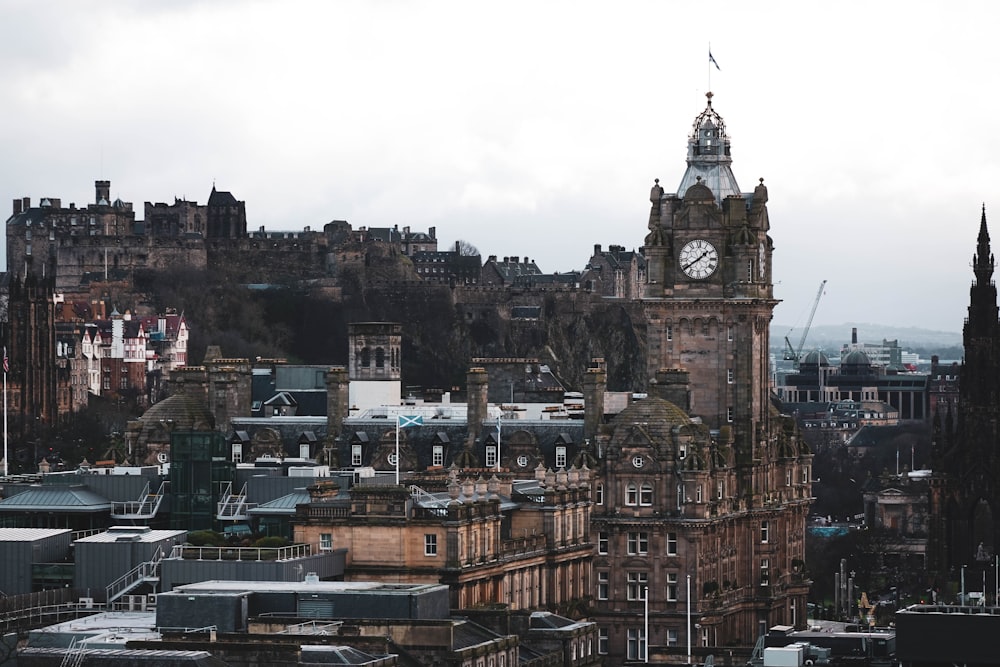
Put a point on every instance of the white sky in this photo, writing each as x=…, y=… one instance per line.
x=533, y=128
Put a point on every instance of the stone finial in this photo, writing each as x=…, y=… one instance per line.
x=481, y=487
x=468, y=488
x=540, y=473
x=562, y=477
x=493, y=485
x=454, y=489
x=550, y=479
x=574, y=477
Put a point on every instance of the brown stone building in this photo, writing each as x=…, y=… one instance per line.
x=493, y=539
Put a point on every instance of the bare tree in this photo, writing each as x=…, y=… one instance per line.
x=466, y=249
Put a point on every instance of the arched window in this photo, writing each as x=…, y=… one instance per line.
x=366, y=358
x=379, y=357
x=646, y=494
x=631, y=494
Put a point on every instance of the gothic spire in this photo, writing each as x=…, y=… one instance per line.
x=982, y=261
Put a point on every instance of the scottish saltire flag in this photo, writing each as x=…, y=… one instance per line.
x=711, y=59
x=415, y=420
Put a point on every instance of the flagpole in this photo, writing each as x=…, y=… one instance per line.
x=6, y=463
x=397, y=449
x=499, y=417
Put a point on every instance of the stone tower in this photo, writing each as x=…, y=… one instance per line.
x=699, y=481
x=709, y=292
x=965, y=489
x=374, y=360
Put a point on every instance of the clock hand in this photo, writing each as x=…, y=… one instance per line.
x=695, y=261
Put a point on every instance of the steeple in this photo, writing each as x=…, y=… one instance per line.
x=983, y=311
x=709, y=157
x=982, y=261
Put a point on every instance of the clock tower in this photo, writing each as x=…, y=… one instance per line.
x=709, y=297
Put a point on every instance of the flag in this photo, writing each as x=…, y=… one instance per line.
x=405, y=421
x=711, y=59
x=6, y=364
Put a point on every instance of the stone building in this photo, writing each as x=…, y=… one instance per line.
x=493, y=538
x=616, y=272
x=965, y=491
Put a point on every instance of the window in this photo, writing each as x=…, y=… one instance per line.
x=729, y=376
x=720, y=490
x=602, y=542
x=392, y=459
x=560, y=457
x=638, y=543
x=671, y=636
x=636, y=645
x=602, y=641
x=765, y=571
x=729, y=414
x=670, y=332
x=729, y=333
x=379, y=357
x=671, y=544
x=788, y=478
x=631, y=494
x=326, y=542
x=646, y=495
x=599, y=494
x=671, y=587
x=603, y=585
x=697, y=494
x=805, y=475
x=764, y=532
x=437, y=455
x=491, y=457
x=430, y=544
x=682, y=451
x=637, y=582
x=355, y=455
x=237, y=452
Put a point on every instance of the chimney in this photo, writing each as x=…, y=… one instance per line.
x=337, y=399
x=595, y=382
x=25, y=203
x=597, y=248
x=17, y=206
x=477, y=387
x=432, y=232
x=854, y=336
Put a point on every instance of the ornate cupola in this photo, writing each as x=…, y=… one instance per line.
x=709, y=160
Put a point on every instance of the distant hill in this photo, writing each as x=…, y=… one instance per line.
x=833, y=336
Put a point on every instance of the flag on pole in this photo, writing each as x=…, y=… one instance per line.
x=406, y=421
x=6, y=364
x=711, y=59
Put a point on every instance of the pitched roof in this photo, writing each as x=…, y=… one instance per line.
x=55, y=499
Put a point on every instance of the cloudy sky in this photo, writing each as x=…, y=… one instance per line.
x=534, y=128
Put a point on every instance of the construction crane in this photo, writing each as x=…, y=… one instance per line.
x=795, y=354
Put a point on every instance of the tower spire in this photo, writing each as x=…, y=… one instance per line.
x=982, y=261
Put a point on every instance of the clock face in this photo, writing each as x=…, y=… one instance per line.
x=698, y=259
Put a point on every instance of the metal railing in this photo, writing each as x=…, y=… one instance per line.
x=186, y=552
x=145, y=571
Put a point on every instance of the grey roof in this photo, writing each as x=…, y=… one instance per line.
x=334, y=655
x=283, y=505
x=29, y=534
x=56, y=499
x=468, y=634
